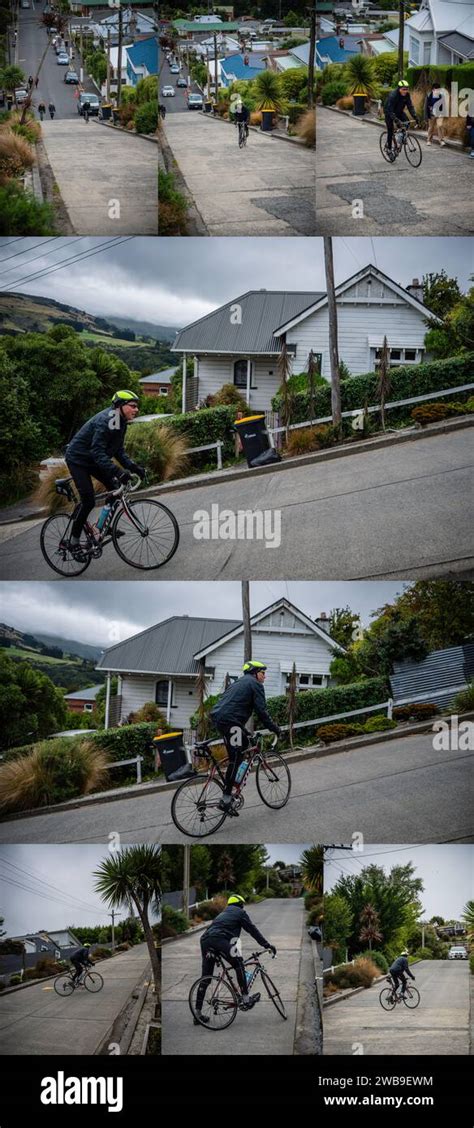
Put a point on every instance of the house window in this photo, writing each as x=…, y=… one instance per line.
x=210, y=671
x=163, y=391
x=399, y=356
x=414, y=50
x=240, y=374
x=426, y=53
x=161, y=693
x=306, y=681
x=88, y=708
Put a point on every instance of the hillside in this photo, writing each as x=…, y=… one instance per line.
x=24, y=313
x=63, y=660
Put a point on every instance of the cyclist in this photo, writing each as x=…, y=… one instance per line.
x=399, y=971
x=86, y=109
x=81, y=960
x=90, y=453
x=242, y=114
x=397, y=102
x=222, y=936
x=230, y=715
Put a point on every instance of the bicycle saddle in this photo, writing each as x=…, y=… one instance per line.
x=62, y=481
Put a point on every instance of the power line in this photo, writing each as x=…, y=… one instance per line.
x=27, y=251
x=46, y=896
x=66, y=262
x=34, y=875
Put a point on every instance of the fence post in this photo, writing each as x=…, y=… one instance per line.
x=139, y=769
x=219, y=455
x=390, y=708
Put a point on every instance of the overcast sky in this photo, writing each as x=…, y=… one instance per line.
x=51, y=887
x=173, y=281
x=102, y=614
x=447, y=872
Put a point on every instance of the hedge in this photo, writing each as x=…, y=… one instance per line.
x=446, y=74
x=314, y=703
x=207, y=426
x=408, y=380
x=124, y=743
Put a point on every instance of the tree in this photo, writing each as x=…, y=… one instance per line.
x=437, y=920
x=284, y=373
x=311, y=863
x=382, y=391
x=31, y=706
x=225, y=873
x=394, y=896
x=467, y=916
x=456, y=335
x=11, y=77
x=133, y=876
x=370, y=932
x=201, y=693
x=291, y=702
x=443, y=609
x=338, y=920
x=344, y=625
x=440, y=293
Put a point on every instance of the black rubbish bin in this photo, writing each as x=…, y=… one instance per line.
x=106, y=110
x=359, y=105
x=171, y=752
x=252, y=432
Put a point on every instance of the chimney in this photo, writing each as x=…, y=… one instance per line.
x=323, y=622
x=416, y=290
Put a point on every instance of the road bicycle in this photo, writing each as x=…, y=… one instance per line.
x=144, y=532
x=390, y=996
x=195, y=807
x=223, y=998
x=242, y=135
x=402, y=139
x=66, y=983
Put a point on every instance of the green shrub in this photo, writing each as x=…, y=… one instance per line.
x=406, y=381
x=174, y=922
x=101, y=953
x=377, y=958
x=332, y=91
x=464, y=701
x=434, y=412
x=208, y=910
x=123, y=947
x=206, y=426
x=295, y=111
x=418, y=711
x=314, y=915
x=471, y=963
x=15, y=980
x=146, y=117
x=21, y=214
x=379, y=724
x=51, y=772
x=172, y=206
x=423, y=954
x=126, y=742
x=423, y=76
x=331, y=733
x=314, y=703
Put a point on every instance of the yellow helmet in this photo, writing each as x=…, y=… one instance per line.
x=234, y=899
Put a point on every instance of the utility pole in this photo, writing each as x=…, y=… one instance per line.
x=113, y=914
x=108, y=65
x=312, y=55
x=186, y=879
x=119, y=64
x=216, y=76
x=401, y=36
x=333, y=349
x=247, y=632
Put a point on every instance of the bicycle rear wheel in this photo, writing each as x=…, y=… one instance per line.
x=63, y=985
x=273, y=780
x=413, y=150
x=220, y=1003
x=154, y=542
x=386, y=999
x=195, y=806
x=411, y=998
x=53, y=540
x=93, y=981
x=273, y=994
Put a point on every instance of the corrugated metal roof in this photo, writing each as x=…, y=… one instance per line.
x=167, y=647
x=84, y=694
x=438, y=678
x=460, y=44
x=163, y=377
x=262, y=313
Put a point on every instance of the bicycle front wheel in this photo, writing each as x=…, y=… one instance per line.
x=54, y=540
x=220, y=1003
x=195, y=807
x=273, y=994
x=273, y=781
x=63, y=985
x=386, y=999
x=151, y=539
x=93, y=981
x=413, y=150
x=382, y=142
x=411, y=998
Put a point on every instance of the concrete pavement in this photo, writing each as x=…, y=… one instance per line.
x=402, y=512
x=434, y=199
x=439, y=1025
x=265, y=189
x=37, y=1021
x=261, y=1030
x=107, y=178
x=394, y=791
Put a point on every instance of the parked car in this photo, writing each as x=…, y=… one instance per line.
x=21, y=95
x=92, y=99
x=71, y=77
x=25, y=3
x=175, y=68
x=457, y=952
x=62, y=59
x=167, y=91
x=181, y=81
x=195, y=102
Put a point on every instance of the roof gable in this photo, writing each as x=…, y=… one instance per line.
x=265, y=616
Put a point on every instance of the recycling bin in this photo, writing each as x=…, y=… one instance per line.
x=252, y=432
x=171, y=752
x=267, y=121
x=106, y=111
x=359, y=105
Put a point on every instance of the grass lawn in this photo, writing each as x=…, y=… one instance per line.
x=104, y=338
x=21, y=652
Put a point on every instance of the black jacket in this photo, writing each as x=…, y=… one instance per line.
x=242, y=698
x=81, y=955
x=396, y=103
x=96, y=442
x=430, y=103
x=400, y=966
x=229, y=924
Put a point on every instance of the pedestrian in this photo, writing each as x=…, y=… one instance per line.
x=41, y=110
x=470, y=132
x=30, y=81
x=36, y=81
x=51, y=110
x=433, y=107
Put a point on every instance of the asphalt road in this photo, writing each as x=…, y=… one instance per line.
x=439, y=1025
x=179, y=103
x=35, y=1020
x=259, y=1031
x=402, y=512
x=434, y=199
x=32, y=41
x=393, y=791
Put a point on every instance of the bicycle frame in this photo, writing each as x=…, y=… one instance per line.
x=253, y=754
x=225, y=971
x=119, y=505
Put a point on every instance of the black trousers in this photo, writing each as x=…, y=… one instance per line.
x=399, y=977
x=391, y=126
x=82, y=477
x=237, y=740
x=209, y=946
x=79, y=967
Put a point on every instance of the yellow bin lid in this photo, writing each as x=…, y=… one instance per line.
x=248, y=419
x=166, y=735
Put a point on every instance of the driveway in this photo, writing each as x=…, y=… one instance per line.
x=35, y=1020
x=434, y=199
x=261, y=1030
x=265, y=189
x=439, y=1025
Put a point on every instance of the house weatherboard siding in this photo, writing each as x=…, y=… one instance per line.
x=138, y=691
x=214, y=371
